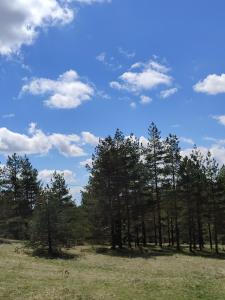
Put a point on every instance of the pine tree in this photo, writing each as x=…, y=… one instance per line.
x=154, y=157
x=172, y=166
x=51, y=226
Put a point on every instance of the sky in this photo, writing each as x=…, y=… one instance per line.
x=73, y=71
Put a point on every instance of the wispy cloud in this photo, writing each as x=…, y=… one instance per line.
x=8, y=116
x=220, y=119
x=167, y=93
x=126, y=53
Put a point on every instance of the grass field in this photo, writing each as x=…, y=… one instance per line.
x=92, y=274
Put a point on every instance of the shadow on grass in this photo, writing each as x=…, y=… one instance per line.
x=155, y=251
x=42, y=253
x=5, y=241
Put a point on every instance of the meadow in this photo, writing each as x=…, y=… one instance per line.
x=91, y=273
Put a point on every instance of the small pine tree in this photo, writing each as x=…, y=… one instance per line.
x=53, y=218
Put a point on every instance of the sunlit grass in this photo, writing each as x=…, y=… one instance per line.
x=102, y=275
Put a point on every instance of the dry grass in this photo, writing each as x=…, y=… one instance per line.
x=90, y=275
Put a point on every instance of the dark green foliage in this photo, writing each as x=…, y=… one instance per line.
x=151, y=194
x=19, y=190
x=53, y=217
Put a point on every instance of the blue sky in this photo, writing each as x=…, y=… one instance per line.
x=73, y=71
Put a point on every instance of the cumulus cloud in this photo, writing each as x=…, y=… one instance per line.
x=46, y=175
x=38, y=142
x=67, y=92
x=75, y=191
x=212, y=85
x=217, y=150
x=89, y=138
x=220, y=119
x=21, y=21
x=143, y=77
x=167, y=93
x=143, y=141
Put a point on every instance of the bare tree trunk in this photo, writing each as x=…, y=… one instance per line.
x=168, y=229
x=50, y=252
x=172, y=231
x=137, y=236
x=210, y=236
x=143, y=229
x=155, y=228
x=128, y=222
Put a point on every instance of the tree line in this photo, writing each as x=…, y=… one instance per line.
x=137, y=194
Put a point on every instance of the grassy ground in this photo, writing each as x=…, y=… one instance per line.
x=102, y=274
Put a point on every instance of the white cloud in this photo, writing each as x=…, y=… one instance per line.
x=67, y=92
x=220, y=119
x=37, y=142
x=66, y=144
x=87, y=162
x=212, y=85
x=143, y=141
x=167, y=93
x=215, y=141
x=46, y=175
x=21, y=21
x=187, y=140
x=188, y=151
x=217, y=150
x=145, y=100
x=146, y=77
x=75, y=191
x=90, y=138
x=116, y=85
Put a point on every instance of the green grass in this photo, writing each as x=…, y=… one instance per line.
x=105, y=275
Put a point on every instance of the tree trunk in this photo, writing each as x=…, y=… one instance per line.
x=199, y=224
x=128, y=222
x=155, y=229
x=172, y=231
x=168, y=229
x=159, y=215
x=210, y=236
x=143, y=229
x=50, y=252
x=137, y=236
